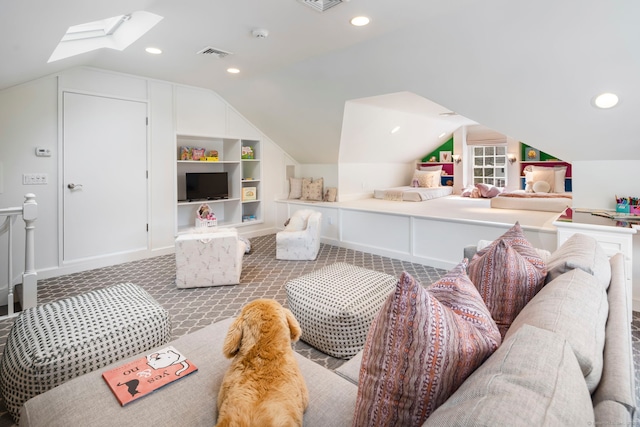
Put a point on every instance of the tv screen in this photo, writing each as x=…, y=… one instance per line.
x=207, y=186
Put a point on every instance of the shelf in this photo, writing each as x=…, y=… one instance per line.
x=200, y=162
x=199, y=202
x=250, y=201
x=250, y=180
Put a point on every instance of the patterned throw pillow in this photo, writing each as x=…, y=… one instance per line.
x=312, y=190
x=428, y=179
x=421, y=346
x=507, y=273
x=295, y=188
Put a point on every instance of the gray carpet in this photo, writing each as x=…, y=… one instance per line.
x=262, y=277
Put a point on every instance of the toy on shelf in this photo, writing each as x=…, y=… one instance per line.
x=247, y=153
x=205, y=217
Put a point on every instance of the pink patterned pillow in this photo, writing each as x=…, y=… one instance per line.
x=508, y=273
x=422, y=345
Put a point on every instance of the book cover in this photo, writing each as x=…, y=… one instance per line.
x=147, y=374
x=249, y=193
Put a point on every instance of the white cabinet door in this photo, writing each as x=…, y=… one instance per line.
x=104, y=176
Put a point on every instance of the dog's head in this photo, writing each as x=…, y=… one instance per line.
x=261, y=320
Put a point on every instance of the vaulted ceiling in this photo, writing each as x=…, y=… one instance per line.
x=527, y=69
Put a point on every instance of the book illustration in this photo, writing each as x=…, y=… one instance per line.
x=147, y=374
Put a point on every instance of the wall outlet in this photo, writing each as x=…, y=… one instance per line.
x=43, y=152
x=34, y=179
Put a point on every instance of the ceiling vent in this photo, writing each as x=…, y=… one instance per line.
x=213, y=51
x=321, y=5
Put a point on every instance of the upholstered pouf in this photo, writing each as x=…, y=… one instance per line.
x=336, y=304
x=55, y=342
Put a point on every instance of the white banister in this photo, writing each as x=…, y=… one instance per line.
x=29, y=212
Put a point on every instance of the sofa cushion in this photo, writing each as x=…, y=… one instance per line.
x=583, y=252
x=574, y=306
x=508, y=273
x=421, y=347
x=521, y=385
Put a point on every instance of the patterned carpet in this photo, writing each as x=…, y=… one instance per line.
x=262, y=277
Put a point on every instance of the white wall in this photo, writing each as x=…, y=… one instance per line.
x=595, y=183
x=358, y=180
x=30, y=117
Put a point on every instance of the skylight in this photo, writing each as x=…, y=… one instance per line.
x=117, y=33
x=102, y=28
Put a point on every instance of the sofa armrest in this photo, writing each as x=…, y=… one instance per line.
x=617, y=383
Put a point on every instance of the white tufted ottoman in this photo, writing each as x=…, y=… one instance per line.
x=52, y=343
x=336, y=304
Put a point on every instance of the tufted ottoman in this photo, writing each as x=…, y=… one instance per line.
x=55, y=342
x=336, y=304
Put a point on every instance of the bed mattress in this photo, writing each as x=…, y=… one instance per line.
x=533, y=201
x=412, y=194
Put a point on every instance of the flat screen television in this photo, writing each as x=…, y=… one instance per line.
x=207, y=186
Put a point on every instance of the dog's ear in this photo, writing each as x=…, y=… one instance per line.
x=294, y=326
x=233, y=339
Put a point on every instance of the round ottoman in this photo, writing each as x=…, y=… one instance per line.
x=336, y=304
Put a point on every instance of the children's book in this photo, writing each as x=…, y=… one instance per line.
x=147, y=374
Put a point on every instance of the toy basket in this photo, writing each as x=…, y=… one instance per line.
x=205, y=217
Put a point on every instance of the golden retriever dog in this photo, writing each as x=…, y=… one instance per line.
x=263, y=386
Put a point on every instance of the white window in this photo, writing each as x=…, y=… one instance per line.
x=490, y=165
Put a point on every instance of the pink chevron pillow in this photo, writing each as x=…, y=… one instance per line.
x=422, y=345
x=507, y=273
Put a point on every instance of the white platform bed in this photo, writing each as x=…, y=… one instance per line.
x=412, y=194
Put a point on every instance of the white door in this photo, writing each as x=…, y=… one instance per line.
x=104, y=170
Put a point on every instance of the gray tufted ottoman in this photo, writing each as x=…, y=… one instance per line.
x=336, y=304
x=55, y=342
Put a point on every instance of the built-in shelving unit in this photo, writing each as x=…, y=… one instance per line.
x=242, y=174
x=544, y=160
x=447, y=177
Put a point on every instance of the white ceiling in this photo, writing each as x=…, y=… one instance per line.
x=527, y=69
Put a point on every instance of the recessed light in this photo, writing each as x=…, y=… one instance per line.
x=359, y=21
x=233, y=70
x=442, y=134
x=153, y=50
x=395, y=129
x=606, y=100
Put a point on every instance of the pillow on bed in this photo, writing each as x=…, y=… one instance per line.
x=547, y=175
x=541, y=187
x=559, y=174
x=431, y=168
x=428, y=179
x=488, y=191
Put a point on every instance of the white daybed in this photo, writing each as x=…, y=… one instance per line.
x=412, y=194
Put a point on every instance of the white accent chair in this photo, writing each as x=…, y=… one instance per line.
x=209, y=259
x=300, y=239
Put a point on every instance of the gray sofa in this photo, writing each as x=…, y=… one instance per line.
x=532, y=379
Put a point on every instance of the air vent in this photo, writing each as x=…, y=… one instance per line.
x=321, y=5
x=213, y=51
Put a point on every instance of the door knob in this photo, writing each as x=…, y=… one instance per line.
x=73, y=186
